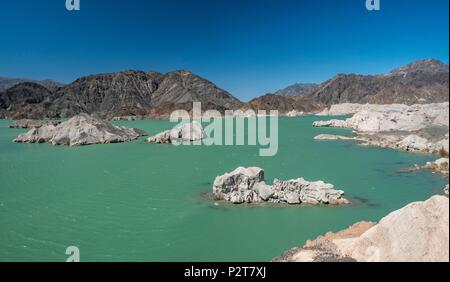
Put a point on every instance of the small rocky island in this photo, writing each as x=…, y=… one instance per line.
x=187, y=132
x=247, y=185
x=80, y=130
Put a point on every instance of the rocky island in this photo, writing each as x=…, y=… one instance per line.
x=80, y=130
x=188, y=132
x=247, y=185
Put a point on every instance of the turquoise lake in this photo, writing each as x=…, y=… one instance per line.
x=149, y=202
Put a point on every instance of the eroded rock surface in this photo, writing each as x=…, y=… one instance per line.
x=247, y=185
x=440, y=166
x=416, y=128
x=187, y=132
x=80, y=130
x=418, y=232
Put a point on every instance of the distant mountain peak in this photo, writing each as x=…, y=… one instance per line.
x=6, y=83
x=297, y=89
x=431, y=66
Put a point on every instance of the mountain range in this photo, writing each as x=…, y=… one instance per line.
x=6, y=83
x=156, y=95
x=424, y=81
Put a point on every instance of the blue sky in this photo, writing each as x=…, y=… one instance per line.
x=248, y=47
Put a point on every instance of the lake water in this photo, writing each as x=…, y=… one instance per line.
x=148, y=202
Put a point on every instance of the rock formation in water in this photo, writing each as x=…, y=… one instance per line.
x=247, y=185
x=188, y=132
x=32, y=123
x=440, y=166
x=336, y=137
x=421, y=128
x=80, y=130
x=418, y=232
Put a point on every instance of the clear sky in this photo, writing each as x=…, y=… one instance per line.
x=248, y=47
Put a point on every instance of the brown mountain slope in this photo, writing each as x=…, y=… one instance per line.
x=130, y=92
x=425, y=81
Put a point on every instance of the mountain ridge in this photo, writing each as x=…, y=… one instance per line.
x=155, y=95
x=132, y=92
x=422, y=81
x=297, y=89
x=7, y=82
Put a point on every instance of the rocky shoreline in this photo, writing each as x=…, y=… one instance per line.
x=416, y=128
x=415, y=233
x=418, y=232
x=247, y=185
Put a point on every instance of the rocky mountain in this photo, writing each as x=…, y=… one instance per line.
x=25, y=100
x=118, y=94
x=283, y=104
x=6, y=83
x=297, y=89
x=425, y=81
x=431, y=66
x=156, y=95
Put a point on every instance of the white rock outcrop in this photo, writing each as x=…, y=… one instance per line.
x=341, y=109
x=187, y=132
x=441, y=165
x=331, y=123
x=246, y=185
x=335, y=137
x=396, y=117
x=421, y=128
x=80, y=130
x=294, y=113
x=418, y=232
